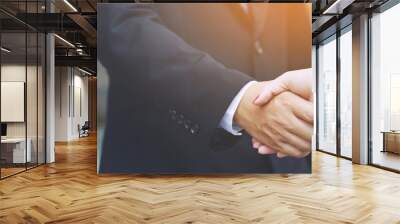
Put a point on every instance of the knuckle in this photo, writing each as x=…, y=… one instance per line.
x=289, y=126
x=265, y=129
x=279, y=140
x=298, y=154
x=309, y=116
x=278, y=121
x=274, y=133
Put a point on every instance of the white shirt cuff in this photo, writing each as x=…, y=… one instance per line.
x=227, y=120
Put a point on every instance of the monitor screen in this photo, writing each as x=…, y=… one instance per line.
x=3, y=129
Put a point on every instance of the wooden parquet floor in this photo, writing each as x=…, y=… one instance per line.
x=70, y=191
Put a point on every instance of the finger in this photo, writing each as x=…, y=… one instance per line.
x=289, y=144
x=265, y=150
x=299, y=82
x=300, y=129
x=269, y=91
x=304, y=110
x=280, y=155
x=311, y=99
x=297, y=142
x=256, y=144
x=296, y=125
x=289, y=150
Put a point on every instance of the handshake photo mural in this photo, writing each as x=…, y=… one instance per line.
x=281, y=121
x=205, y=88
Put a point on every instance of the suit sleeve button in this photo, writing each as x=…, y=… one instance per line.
x=173, y=114
x=194, y=129
x=186, y=124
x=180, y=119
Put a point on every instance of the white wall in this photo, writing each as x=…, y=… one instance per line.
x=81, y=89
x=61, y=114
x=71, y=93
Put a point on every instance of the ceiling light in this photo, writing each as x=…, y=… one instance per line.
x=5, y=50
x=65, y=41
x=70, y=5
x=84, y=71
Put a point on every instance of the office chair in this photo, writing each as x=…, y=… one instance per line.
x=84, y=130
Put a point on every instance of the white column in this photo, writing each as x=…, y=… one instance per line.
x=360, y=90
x=50, y=99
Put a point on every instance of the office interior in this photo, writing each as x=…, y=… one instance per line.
x=336, y=92
x=49, y=86
x=45, y=86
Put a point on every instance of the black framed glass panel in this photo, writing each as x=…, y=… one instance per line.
x=327, y=95
x=22, y=89
x=15, y=152
x=345, y=93
x=385, y=89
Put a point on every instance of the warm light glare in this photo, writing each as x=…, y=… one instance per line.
x=70, y=5
x=65, y=41
x=86, y=72
x=5, y=50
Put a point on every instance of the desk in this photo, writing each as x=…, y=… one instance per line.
x=13, y=150
x=391, y=141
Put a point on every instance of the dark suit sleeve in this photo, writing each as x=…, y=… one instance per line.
x=180, y=77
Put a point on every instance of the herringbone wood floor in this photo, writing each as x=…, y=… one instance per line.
x=70, y=191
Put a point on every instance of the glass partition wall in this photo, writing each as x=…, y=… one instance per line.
x=345, y=61
x=334, y=104
x=22, y=98
x=385, y=89
x=327, y=95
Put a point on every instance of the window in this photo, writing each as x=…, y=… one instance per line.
x=385, y=89
x=327, y=95
x=346, y=92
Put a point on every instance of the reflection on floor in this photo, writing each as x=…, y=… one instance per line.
x=70, y=191
x=10, y=171
x=386, y=159
x=14, y=169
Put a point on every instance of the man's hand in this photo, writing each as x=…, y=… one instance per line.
x=284, y=124
x=298, y=82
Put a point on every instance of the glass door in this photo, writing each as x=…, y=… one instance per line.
x=327, y=95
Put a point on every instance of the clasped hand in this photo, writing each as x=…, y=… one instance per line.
x=278, y=114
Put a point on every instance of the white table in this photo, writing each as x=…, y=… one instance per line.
x=19, y=151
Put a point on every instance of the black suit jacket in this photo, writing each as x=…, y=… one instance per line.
x=173, y=71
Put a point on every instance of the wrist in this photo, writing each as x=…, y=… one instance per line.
x=246, y=105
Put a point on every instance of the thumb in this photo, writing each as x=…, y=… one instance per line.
x=270, y=90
